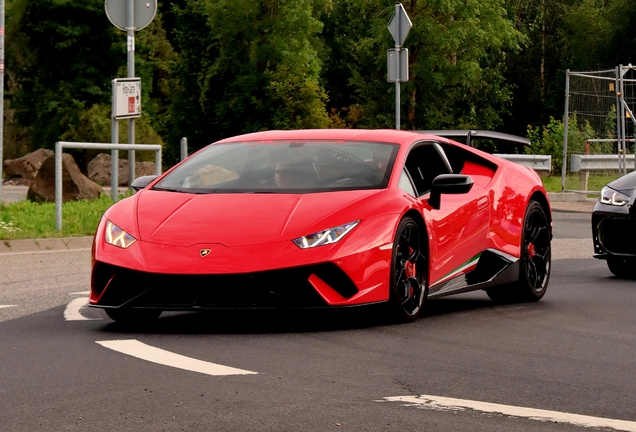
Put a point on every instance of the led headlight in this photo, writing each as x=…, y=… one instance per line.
x=612, y=197
x=117, y=236
x=325, y=237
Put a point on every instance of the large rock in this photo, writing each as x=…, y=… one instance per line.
x=99, y=170
x=27, y=166
x=75, y=185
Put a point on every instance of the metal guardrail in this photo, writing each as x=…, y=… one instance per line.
x=606, y=162
x=114, y=174
x=541, y=163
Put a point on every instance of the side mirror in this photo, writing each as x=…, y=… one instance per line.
x=448, y=184
x=143, y=181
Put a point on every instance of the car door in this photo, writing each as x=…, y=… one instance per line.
x=458, y=229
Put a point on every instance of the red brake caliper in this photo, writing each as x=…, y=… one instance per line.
x=410, y=270
x=531, y=250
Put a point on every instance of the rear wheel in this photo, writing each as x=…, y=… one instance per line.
x=622, y=268
x=408, y=271
x=535, y=260
x=133, y=316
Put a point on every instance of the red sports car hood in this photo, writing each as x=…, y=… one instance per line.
x=236, y=219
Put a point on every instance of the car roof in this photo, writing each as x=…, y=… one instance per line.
x=377, y=135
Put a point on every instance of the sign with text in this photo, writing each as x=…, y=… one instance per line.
x=126, y=98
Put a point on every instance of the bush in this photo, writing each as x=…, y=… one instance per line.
x=548, y=140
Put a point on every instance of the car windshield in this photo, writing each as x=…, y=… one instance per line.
x=284, y=167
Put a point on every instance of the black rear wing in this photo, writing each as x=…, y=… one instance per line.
x=470, y=135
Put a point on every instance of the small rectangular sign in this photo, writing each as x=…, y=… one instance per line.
x=392, y=65
x=126, y=98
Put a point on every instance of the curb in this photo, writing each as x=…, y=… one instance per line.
x=46, y=244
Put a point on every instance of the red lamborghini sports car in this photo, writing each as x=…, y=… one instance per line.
x=324, y=218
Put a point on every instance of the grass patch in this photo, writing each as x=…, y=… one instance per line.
x=594, y=183
x=28, y=220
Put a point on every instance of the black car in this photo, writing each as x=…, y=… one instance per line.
x=614, y=226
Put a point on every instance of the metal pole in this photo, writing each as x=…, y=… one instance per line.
x=59, y=148
x=58, y=186
x=158, y=162
x=130, y=30
x=564, y=162
x=184, y=148
x=1, y=91
x=114, y=154
x=623, y=131
x=397, y=81
x=617, y=86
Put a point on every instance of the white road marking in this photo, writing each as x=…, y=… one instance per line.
x=133, y=347
x=7, y=306
x=444, y=403
x=81, y=293
x=72, y=311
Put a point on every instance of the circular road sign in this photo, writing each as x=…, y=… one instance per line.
x=145, y=10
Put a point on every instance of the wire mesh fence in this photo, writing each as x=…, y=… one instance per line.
x=598, y=124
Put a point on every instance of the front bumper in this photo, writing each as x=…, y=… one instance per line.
x=613, y=232
x=302, y=287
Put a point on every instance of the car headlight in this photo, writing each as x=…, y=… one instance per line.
x=612, y=197
x=117, y=236
x=325, y=237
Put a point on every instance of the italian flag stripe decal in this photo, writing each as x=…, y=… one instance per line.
x=464, y=268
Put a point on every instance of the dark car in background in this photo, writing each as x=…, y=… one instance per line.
x=614, y=226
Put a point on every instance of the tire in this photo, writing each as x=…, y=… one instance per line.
x=622, y=268
x=408, y=271
x=133, y=316
x=535, y=260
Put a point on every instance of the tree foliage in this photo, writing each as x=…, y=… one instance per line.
x=61, y=57
x=246, y=66
x=216, y=68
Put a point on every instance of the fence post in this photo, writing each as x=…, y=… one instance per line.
x=564, y=161
x=58, y=186
x=583, y=179
x=158, y=162
x=184, y=148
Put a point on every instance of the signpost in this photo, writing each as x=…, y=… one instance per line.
x=398, y=58
x=1, y=90
x=130, y=16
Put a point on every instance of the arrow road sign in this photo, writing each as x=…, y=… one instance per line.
x=399, y=25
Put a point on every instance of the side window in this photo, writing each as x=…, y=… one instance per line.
x=405, y=184
x=425, y=162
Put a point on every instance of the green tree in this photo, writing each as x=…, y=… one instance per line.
x=457, y=52
x=244, y=66
x=62, y=55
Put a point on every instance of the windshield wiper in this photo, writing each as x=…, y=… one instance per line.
x=165, y=189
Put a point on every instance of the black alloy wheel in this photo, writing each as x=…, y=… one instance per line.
x=133, y=316
x=535, y=260
x=408, y=271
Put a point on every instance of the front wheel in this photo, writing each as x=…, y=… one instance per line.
x=408, y=271
x=535, y=260
x=622, y=268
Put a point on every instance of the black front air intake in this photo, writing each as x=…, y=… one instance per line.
x=618, y=235
x=272, y=289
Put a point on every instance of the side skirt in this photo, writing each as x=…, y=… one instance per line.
x=493, y=268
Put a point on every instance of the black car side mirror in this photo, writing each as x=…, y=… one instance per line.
x=141, y=182
x=448, y=184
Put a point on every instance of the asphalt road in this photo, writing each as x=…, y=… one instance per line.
x=62, y=365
